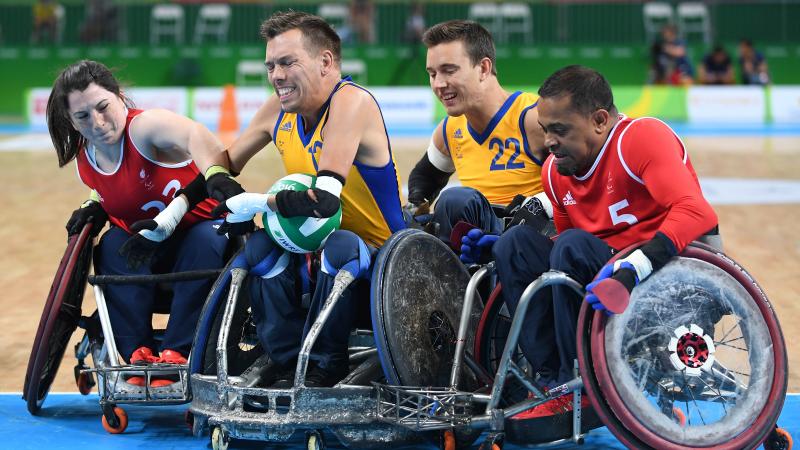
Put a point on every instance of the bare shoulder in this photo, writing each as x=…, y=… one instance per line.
x=354, y=99
x=438, y=139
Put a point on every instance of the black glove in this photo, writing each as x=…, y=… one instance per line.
x=528, y=211
x=221, y=186
x=90, y=211
x=231, y=229
x=138, y=250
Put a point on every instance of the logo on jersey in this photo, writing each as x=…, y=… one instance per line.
x=568, y=200
x=286, y=126
x=610, y=184
x=458, y=134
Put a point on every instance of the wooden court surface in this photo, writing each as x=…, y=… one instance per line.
x=40, y=197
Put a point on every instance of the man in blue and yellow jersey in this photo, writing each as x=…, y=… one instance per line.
x=491, y=138
x=325, y=125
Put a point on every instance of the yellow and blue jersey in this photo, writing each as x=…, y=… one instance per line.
x=370, y=197
x=497, y=162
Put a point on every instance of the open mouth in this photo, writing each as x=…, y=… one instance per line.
x=448, y=98
x=285, y=92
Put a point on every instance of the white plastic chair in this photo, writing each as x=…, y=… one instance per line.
x=693, y=17
x=488, y=15
x=251, y=72
x=213, y=19
x=166, y=20
x=517, y=19
x=656, y=15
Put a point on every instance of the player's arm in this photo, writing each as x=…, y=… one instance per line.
x=654, y=154
x=535, y=135
x=163, y=135
x=432, y=172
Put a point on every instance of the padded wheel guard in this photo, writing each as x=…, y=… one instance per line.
x=417, y=291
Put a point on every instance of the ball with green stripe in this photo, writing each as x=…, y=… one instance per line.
x=299, y=234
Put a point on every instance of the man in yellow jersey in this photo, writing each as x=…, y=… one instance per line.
x=325, y=125
x=490, y=138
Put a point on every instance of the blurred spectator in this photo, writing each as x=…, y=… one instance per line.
x=45, y=21
x=752, y=64
x=717, y=67
x=415, y=28
x=101, y=22
x=362, y=14
x=670, y=63
x=415, y=24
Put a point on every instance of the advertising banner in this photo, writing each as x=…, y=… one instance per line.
x=726, y=104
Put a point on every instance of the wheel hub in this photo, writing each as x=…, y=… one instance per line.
x=691, y=350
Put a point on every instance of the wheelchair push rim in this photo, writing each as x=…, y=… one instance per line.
x=654, y=367
x=59, y=319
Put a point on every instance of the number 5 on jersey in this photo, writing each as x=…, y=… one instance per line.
x=617, y=218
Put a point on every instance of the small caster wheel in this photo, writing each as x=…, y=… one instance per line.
x=83, y=380
x=115, y=420
x=447, y=440
x=779, y=439
x=314, y=441
x=220, y=439
x=494, y=441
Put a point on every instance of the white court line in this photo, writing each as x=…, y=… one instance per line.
x=37, y=142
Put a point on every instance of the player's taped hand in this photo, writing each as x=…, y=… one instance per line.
x=240, y=209
x=476, y=246
x=611, y=289
x=147, y=234
x=90, y=211
x=220, y=184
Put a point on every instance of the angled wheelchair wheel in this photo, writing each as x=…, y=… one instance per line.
x=417, y=290
x=697, y=360
x=243, y=345
x=62, y=312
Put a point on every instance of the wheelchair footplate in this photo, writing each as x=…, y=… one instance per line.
x=115, y=388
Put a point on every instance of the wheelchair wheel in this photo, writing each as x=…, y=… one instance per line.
x=699, y=343
x=417, y=290
x=243, y=345
x=62, y=312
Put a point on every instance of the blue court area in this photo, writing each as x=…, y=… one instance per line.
x=71, y=421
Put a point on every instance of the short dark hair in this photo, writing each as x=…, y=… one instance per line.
x=587, y=88
x=317, y=33
x=477, y=39
x=77, y=77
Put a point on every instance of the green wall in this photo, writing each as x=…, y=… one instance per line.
x=24, y=67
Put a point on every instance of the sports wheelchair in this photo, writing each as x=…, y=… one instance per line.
x=674, y=371
x=62, y=316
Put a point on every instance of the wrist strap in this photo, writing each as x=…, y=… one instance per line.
x=213, y=170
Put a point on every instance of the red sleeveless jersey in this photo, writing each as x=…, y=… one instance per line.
x=139, y=188
x=641, y=182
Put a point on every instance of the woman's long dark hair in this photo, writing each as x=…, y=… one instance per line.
x=77, y=77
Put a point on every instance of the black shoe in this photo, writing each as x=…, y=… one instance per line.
x=321, y=377
x=281, y=374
